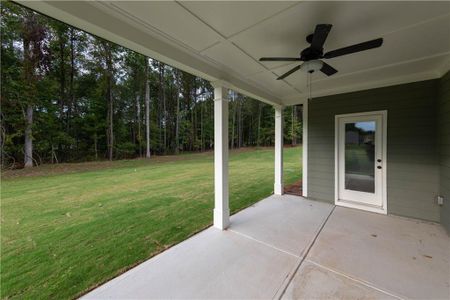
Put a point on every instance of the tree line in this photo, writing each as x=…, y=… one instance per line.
x=68, y=96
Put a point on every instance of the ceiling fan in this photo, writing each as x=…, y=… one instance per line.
x=312, y=55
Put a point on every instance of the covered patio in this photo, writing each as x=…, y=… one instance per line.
x=376, y=147
x=293, y=248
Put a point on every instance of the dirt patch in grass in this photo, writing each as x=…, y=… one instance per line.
x=294, y=189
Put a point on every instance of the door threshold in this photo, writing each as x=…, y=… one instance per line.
x=361, y=206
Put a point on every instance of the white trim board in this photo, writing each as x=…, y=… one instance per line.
x=369, y=85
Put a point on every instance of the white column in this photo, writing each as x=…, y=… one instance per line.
x=278, y=186
x=305, y=149
x=221, y=208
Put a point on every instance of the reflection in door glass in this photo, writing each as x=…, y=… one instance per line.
x=360, y=156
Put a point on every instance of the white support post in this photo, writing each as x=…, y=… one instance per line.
x=221, y=207
x=305, y=149
x=278, y=186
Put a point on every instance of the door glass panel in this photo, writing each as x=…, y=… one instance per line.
x=360, y=156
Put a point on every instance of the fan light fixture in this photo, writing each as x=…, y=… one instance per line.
x=311, y=66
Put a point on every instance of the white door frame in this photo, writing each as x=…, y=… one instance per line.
x=383, y=208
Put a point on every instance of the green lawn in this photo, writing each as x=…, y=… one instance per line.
x=62, y=234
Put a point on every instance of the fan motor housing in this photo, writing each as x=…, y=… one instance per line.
x=310, y=54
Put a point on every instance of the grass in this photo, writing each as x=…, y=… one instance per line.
x=65, y=232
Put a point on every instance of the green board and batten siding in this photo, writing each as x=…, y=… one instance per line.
x=412, y=149
x=444, y=146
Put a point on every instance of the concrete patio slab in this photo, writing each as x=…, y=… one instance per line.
x=228, y=264
x=314, y=282
x=350, y=254
x=289, y=223
x=212, y=264
x=405, y=257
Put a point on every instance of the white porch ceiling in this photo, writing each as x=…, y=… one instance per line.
x=223, y=40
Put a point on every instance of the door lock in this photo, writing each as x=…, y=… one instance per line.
x=379, y=167
x=378, y=160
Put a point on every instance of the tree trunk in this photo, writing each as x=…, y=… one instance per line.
x=164, y=114
x=258, y=138
x=202, y=148
x=95, y=145
x=54, y=157
x=147, y=109
x=233, y=123
x=239, y=123
x=62, y=85
x=28, y=137
x=211, y=136
x=62, y=77
x=71, y=105
x=2, y=143
x=250, y=131
x=193, y=123
x=160, y=96
x=177, y=122
x=110, y=119
x=294, y=121
x=72, y=75
x=111, y=123
x=138, y=121
x=29, y=79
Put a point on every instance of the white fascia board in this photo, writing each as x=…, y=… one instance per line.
x=92, y=19
x=409, y=78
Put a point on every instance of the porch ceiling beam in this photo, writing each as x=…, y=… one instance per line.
x=91, y=18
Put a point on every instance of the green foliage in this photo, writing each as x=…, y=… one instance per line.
x=70, y=92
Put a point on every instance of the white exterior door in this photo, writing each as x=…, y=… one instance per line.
x=361, y=161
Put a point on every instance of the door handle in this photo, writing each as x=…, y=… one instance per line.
x=378, y=160
x=378, y=167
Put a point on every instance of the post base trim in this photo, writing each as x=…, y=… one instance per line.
x=221, y=219
x=278, y=189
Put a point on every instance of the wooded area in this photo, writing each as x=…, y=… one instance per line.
x=69, y=96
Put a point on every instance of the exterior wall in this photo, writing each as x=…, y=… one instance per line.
x=444, y=147
x=412, y=160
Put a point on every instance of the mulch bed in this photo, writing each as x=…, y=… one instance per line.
x=294, y=189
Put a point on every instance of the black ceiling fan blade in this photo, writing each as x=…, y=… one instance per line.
x=327, y=69
x=354, y=48
x=320, y=35
x=279, y=59
x=289, y=72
